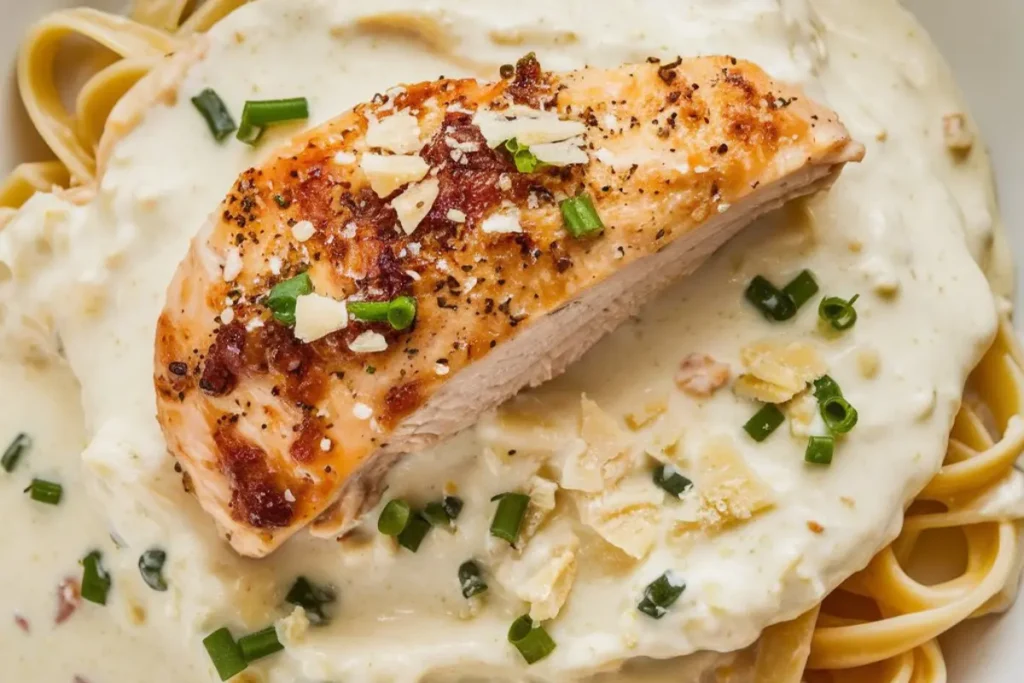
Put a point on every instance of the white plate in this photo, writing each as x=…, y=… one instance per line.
x=981, y=39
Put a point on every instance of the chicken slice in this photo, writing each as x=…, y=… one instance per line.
x=286, y=416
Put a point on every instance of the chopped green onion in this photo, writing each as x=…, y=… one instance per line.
x=225, y=654
x=660, y=594
x=414, y=532
x=838, y=414
x=470, y=580
x=281, y=299
x=509, y=516
x=402, y=312
x=670, y=479
x=45, y=491
x=399, y=312
x=820, y=449
x=22, y=442
x=764, y=422
x=525, y=160
x=312, y=598
x=452, y=505
x=216, y=113
x=580, y=216
x=532, y=641
x=838, y=312
x=774, y=304
x=825, y=388
x=258, y=114
x=282, y=201
x=95, y=579
x=436, y=514
x=802, y=288
x=260, y=644
x=393, y=518
x=151, y=566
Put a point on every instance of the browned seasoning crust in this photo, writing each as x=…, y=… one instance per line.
x=269, y=427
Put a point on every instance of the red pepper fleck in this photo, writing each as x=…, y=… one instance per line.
x=22, y=623
x=69, y=597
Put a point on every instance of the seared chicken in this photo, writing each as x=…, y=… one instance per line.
x=388, y=276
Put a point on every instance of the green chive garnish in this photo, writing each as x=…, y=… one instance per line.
x=532, y=641
x=393, y=518
x=773, y=303
x=820, y=450
x=258, y=114
x=312, y=598
x=838, y=312
x=281, y=299
x=660, y=594
x=151, y=566
x=452, y=505
x=443, y=512
x=45, y=491
x=764, y=422
x=838, y=414
x=524, y=159
x=414, y=532
x=399, y=312
x=470, y=580
x=282, y=201
x=580, y=216
x=216, y=113
x=95, y=579
x=802, y=288
x=670, y=479
x=22, y=442
x=260, y=644
x=825, y=387
x=225, y=654
x=509, y=515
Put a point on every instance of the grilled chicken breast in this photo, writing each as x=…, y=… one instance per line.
x=388, y=276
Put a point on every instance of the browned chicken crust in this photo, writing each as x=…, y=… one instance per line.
x=270, y=428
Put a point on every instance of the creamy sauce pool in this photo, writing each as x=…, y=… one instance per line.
x=901, y=229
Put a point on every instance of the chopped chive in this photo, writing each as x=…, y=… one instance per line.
x=414, y=532
x=12, y=454
x=802, y=288
x=820, y=449
x=670, y=479
x=825, y=387
x=764, y=422
x=470, y=580
x=282, y=201
x=95, y=579
x=838, y=312
x=436, y=514
x=45, y=491
x=767, y=298
x=660, y=594
x=216, y=113
x=312, y=598
x=281, y=299
x=532, y=641
x=260, y=644
x=399, y=312
x=258, y=114
x=838, y=414
x=151, y=566
x=525, y=160
x=225, y=654
x=452, y=505
x=580, y=216
x=393, y=518
x=370, y=369
x=508, y=518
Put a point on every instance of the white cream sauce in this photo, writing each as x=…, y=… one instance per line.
x=909, y=218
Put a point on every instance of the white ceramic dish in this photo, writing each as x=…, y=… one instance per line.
x=980, y=40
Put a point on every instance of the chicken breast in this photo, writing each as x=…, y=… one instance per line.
x=391, y=274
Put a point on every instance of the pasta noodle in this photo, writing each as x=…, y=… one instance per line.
x=881, y=625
